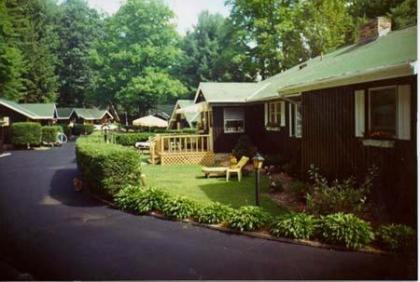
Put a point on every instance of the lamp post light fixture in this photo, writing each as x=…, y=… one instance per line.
x=258, y=162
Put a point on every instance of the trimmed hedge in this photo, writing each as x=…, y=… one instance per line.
x=26, y=133
x=49, y=134
x=83, y=129
x=130, y=139
x=107, y=168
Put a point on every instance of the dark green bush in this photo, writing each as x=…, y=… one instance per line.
x=130, y=139
x=179, y=208
x=248, y=218
x=49, y=134
x=345, y=229
x=338, y=196
x=213, y=214
x=107, y=168
x=396, y=237
x=26, y=133
x=83, y=129
x=299, y=189
x=151, y=199
x=244, y=147
x=295, y=226
x=66, y=130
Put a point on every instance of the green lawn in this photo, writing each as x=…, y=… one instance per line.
x=187, y=180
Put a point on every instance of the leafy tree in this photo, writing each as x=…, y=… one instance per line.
x=12, y=64
x=405, y=14
x=78, y=27
x=137, y=58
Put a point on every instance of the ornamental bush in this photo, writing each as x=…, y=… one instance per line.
x=396, y=237
x=26, y=134
x=179, y=208
x=49, y=134
x=151, y=199
x=127, y=198
x=130, y=139
x=345, y=229
x=83, y=129
x=295, y=226
x=248, y=218
x=213, y=214
x=107, y=168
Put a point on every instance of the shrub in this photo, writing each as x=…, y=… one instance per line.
x=338, y=196
x=151, y=199
x=107, y=168
x=345, y=229
x=299, y=189
x=66, y=130
x=248, y=218
x=130, y=139
x=83, y=129
x=26, y=133
x=396, y=237
x=127, y=198
x=49, y=134
x=213, y=214
x=244, y=147
x=179, y=208
x=295, y=226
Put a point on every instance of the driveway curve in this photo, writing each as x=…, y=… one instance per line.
x=55, y=233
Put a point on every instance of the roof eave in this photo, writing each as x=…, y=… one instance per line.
x=381, y=73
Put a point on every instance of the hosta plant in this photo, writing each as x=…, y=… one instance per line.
x=213, y=214
x=248, y=218
x=295, y=226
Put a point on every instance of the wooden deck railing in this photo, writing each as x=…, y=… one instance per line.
x=176, y=144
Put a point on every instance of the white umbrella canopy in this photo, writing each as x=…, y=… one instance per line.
x=150, y=121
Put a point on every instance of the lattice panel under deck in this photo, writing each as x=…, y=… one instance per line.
x=202, y=158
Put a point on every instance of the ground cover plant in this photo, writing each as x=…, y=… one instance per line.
x=396, y=237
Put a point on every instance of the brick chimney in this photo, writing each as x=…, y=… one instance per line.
x=374, y=28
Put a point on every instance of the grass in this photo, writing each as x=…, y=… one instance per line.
x=189, y=181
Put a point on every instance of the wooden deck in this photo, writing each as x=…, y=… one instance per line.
x=182, y=149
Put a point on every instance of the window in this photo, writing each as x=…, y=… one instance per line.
x=388, y=112
x=383, y=112
x=234, y=120
x=274, y=115
x=295, y=119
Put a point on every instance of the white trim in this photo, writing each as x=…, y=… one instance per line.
x=359, y=113
x=282, y=114
x=258, y=91
x=290, y=120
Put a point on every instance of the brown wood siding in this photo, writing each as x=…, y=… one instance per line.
x=330, y=144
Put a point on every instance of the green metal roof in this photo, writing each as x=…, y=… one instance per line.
x=91, y=114
x=398, y=48
x=45, y=111
x=391, y=55
x=64, y=113
x=227, y=92
x=32, y=111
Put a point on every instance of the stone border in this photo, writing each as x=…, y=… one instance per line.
x=259, y=235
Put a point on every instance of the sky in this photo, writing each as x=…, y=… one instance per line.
x=186, y=11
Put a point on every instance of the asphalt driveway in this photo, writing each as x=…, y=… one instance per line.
x=54, y=233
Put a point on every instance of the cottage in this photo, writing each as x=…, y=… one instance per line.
x=90, y=116
x=342, y=112
x=183, y=115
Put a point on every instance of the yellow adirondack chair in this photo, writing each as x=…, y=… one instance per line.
x=237, y=168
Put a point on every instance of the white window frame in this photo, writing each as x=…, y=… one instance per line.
x=279, y=113
x=402, y=116
x=231, y=119
x=293, y=120
x=369, y=109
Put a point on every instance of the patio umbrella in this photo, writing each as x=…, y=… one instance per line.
x=150, y=121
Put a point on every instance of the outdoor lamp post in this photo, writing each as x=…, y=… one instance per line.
x=258, y=162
